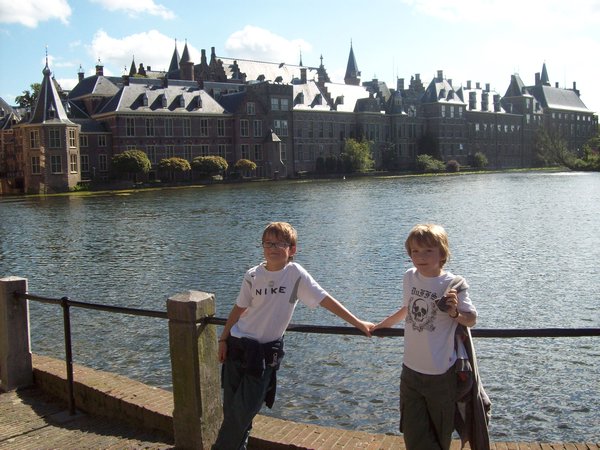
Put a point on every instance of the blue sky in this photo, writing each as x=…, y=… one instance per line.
x=480, y=40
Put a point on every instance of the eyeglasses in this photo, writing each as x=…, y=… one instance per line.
x=280, y=245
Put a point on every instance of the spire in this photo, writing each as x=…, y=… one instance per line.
x=352, y=73
x=174, y=66
x=300, y=58
x=545, y=80
x=132, y=69
x=48, y=106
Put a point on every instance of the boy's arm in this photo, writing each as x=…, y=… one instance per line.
x=331, y=304
x=468, y=319
x=392, y=320
x=234, y=316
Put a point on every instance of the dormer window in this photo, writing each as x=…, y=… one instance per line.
x=181, y=101
x=145, y=99
x=199, y=101
x=51, y=112
x=164, y=100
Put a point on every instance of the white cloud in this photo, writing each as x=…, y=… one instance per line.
x=150, y=48
x=260, y=44
x=31, y=12
x=137, y=7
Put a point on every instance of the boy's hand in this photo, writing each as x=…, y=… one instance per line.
x=365, y=327
x=222, y=351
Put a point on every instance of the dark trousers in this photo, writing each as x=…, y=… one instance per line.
x=243, y=396
x=427, y=405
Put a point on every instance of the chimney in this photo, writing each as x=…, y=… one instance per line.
x=484, y=101
x=468, y=84
x=472, y=100
x=477, y=85
x=487, y=87
x=440, y=75
x=80, y=74
x=537, y=78
x=400, y=84
x=125, y=78
x=556, y=84
x=99, y=69
x=496, y=103
x=303, y=75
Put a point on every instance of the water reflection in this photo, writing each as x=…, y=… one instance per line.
x=526, y=243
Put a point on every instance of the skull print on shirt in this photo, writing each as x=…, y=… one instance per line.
x=421, y=310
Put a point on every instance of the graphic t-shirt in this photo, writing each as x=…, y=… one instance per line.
x=270, y=299
x=429, y=332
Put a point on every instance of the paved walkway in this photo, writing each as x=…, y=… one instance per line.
x=29, y=419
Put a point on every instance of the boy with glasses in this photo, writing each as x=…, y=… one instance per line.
x=251, y=344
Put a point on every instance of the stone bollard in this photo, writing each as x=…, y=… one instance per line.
x=198, y=412
x=15, y=348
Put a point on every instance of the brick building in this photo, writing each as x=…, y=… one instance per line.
x=286, y=118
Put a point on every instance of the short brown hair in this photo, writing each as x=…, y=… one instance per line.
x=429, y=235
x=283, y=231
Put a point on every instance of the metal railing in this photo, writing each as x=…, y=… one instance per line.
x=67, y=303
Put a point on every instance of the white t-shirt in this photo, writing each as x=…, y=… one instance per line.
x=429, y=332
x=270, y=299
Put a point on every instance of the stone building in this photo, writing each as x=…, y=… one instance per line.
x=289, y=119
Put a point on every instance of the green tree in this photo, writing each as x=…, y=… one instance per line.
x=244, y=165
x=552, y=150
x=210, y=165
x=131, y=162
x=428, y=164
x=357, y=156
x=174, y=165
x=480, y=160
x=29, y=98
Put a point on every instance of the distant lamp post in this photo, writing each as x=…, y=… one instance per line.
x=273, y=144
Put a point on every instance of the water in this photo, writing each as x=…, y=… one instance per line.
x=528, y=244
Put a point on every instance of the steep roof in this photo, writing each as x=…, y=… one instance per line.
x=558, y=98
x=441, y=91
x=96, y=85
x=146, y=95
x=266, y=71
x=49, y=107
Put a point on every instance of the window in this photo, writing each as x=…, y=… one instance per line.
x=283, y=148
x=73, y=162
x=245, y=151
x=257, y=152
x=250, y=108
x=130, y=127
x=274, y=104
x=36, y=168
x=169, y=127
x=203, y=127
x=53, y=138
x=222, y=150
x=151, y=151
x=204, y=150
x=102, y=162
x=83, y=140
x=150, y=127
x=244, y=128
x=169, y=151
x=84, y=160
x=187, y=152
x=56, y=164
x=34, y=139
x=280, y=127
x=220, y=127
x=102, y=141
x=284, y=104
x=187, y=127
x=258, y=128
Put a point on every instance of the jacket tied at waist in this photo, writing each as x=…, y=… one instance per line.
x=256, y=357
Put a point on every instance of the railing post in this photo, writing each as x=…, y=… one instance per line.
x=16, y=369
x=197, y=410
